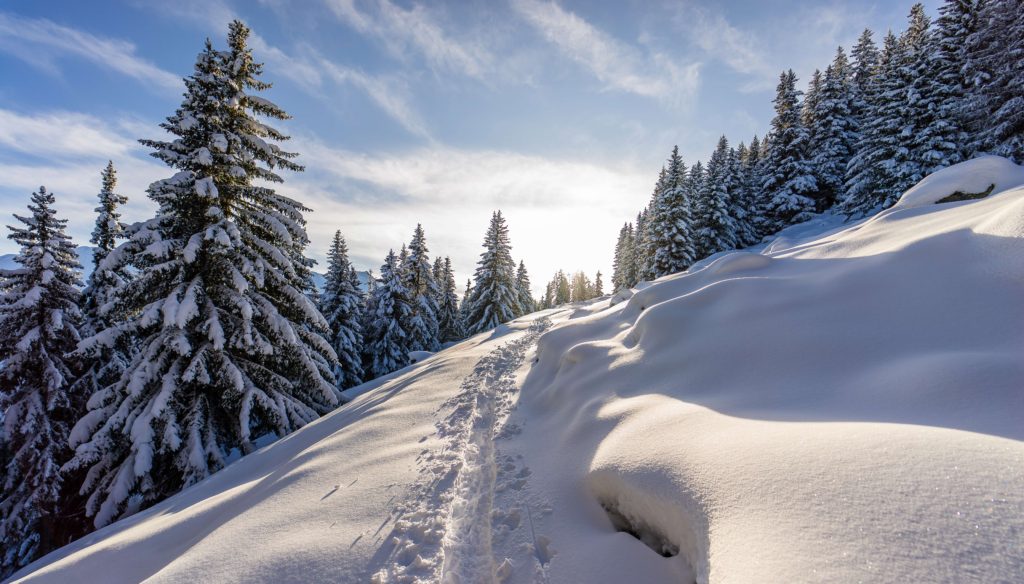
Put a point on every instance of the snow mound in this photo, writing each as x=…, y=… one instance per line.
x=991, y=174
x=845, y=407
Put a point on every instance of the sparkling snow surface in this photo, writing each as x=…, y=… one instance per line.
x=840, y=408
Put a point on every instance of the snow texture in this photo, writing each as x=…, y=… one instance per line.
x=842, y=407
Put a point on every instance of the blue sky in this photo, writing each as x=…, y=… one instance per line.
x=558, y=113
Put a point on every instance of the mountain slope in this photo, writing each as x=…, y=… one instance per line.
x=846, y=407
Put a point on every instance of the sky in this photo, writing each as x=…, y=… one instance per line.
x=558, y=113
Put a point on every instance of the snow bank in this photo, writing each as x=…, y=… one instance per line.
x=975, y=177
x=844, y=409
x=840, y=408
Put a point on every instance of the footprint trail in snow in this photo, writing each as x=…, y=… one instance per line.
x=445, y=532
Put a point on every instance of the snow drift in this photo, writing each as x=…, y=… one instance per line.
x=841, y=408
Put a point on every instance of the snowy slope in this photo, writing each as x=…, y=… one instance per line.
x=840, y=408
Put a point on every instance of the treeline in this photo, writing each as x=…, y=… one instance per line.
x=199, y=330
x=563, y=289
x=867, y=129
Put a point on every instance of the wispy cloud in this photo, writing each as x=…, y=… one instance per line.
x=720, y=39
x=416, y=28
x=805, y=40
x=307, y=67
x=42, y=42
x=617, y=64
x=65, y=151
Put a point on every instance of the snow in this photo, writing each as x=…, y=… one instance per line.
x=844, y=406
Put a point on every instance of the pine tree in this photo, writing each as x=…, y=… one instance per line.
x=870, y=174
x=713, y=227
x=105, y=364
x=387, y=343
x=581, y=288
x=835, y=136
x=494, y=290
x=342, y=305
x=39, y=320
x=754, y=202
x=743, y=233
x=809, y=108
x=465, y=306
x=971, y=36
x=643, y=250
x=934, y=97
x=449, y=319
x=525, y=296
x=1001, y=99
x=623, y=260
x=439, y=276
x=418, y=279
x=790, y=184
x=230, y=346
x=598, y=285
x=562, y=288
x=671, y=235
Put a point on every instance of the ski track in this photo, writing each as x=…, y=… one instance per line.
x=444, y=532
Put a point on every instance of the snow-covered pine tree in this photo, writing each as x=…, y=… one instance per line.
x=418, y=278
x=647, y=249
x=494, y=289
x=835, y=135
x=960, y=34
x=790, y=184
x=714, y=229
x=753, y=179
x=809, y=109
x=438, y=273
x=935, y=139
x=623, y=258
x=598, y=285
x=998, y=49
x=671, y=224
x=739, y=204
x=465, y=305
x=342, y=305
x=526, y=304
x=643, y=251
x=863, y=72
x=104, y=365
x=870, y=174
x=865, y=60
x=449, y=319
x=387, y=343
x=39, y=320
x=230, y=346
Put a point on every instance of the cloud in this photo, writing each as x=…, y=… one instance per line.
x=401, y=30
x=41, y=42
x=619, y=65
x=737, y=49
x=306, y=66
x=562, y=213
x=802, y=40
x=65, y=151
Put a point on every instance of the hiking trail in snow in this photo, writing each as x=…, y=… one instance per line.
x=467, y=497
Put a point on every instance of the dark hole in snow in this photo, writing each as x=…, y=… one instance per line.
x=648, y=536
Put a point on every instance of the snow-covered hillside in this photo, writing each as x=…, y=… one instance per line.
x=840, y=408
